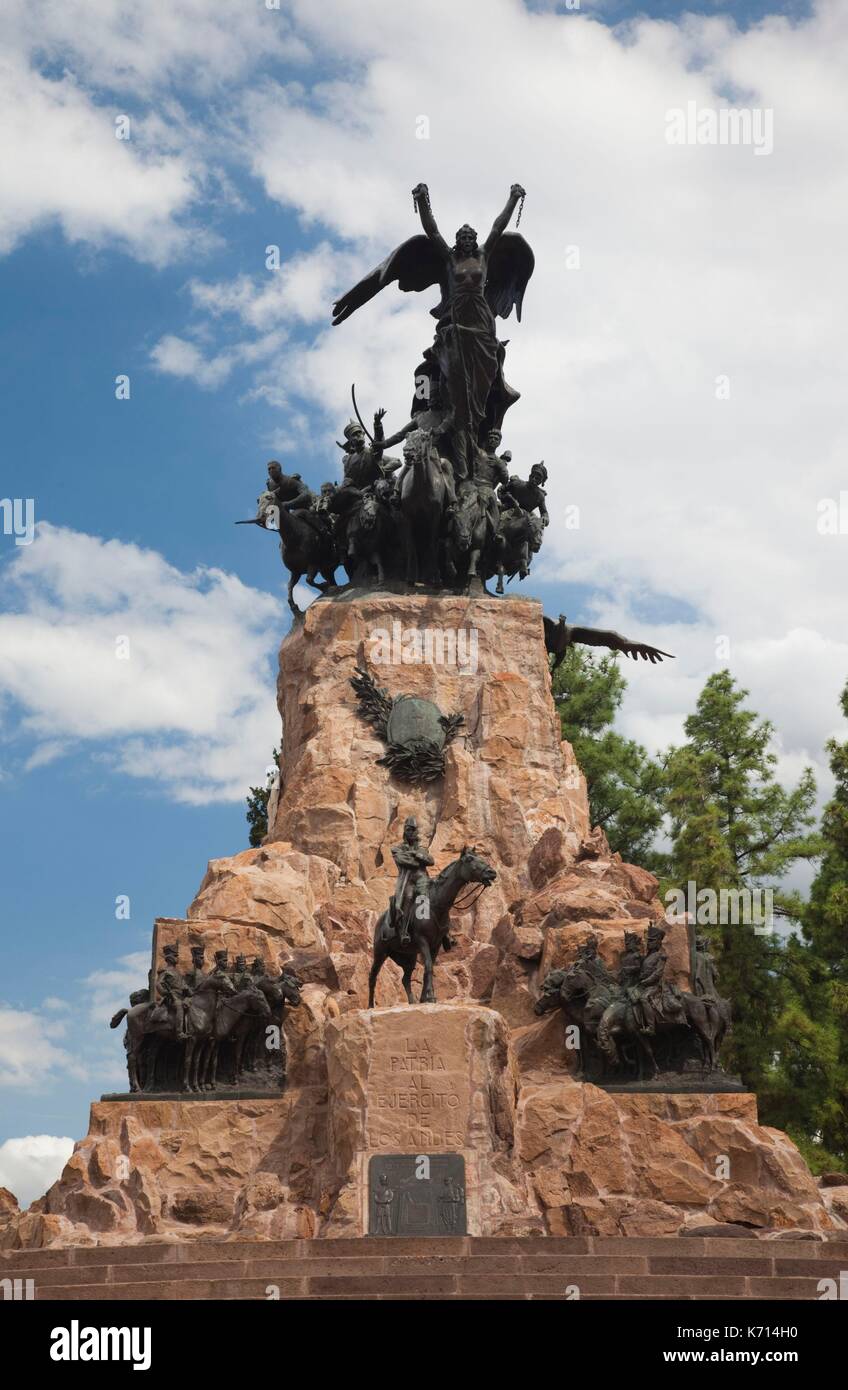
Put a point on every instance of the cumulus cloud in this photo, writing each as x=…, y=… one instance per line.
x=71, y=66
x=696, y=264
x=169, y=673
x=30, y=1050
x=63, y=162
x=32, y=1163
x=109, y=990
x=681, y=382
x=143, y=48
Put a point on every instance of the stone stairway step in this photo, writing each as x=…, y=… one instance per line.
x=460, y=1268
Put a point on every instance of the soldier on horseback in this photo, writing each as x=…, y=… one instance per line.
x=171, y=989
x=489, y=472
x=413, y=883
x=661, y=1001
x=516, y=494
x=629, y=975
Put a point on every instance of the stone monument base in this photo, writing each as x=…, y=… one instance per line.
x=480, y=1082
x=435, y=1091
x=426, y=1080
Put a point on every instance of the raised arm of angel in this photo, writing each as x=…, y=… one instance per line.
x=501, y=222
x=421, y=195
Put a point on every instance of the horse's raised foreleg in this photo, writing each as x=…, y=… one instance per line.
x=499, y=570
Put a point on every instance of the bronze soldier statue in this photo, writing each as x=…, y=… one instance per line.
x=221, y=966
x=363, y=462
x=242, y=978
x=197, y=972
x=490, y=471
x=629, y=975
x=170, y=991
x=705, y=970
x=587, y=955
x=660, y=1000
x=413, y=882
x=529, y=495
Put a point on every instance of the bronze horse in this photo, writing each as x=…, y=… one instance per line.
x=608, y=1023
x=427, y=931
x=423, y=497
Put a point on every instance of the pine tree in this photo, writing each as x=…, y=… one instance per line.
x=733, y=826
x=257, y=809
x=811, y=1081
x=623, y=781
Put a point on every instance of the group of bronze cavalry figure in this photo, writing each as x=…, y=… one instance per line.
x=448, y=514
x=200, y=1030
x=633, y=1023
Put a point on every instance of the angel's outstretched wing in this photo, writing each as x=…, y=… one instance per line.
x=510, y=266
x=416, y=265
x=597, y=637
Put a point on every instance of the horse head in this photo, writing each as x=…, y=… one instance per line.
x=550, y=996
x=536, y=534
x=474, y=867
x=465, y=518
x=369, y=512
x=290, y=986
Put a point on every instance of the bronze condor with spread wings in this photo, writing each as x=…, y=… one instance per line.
x=562, y=635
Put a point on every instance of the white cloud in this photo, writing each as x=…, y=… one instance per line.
x=109, y=990
x=192, y=706
x=29, y=1053
x=178, y=357
x=145, y=47
x=696, y=262
x=32, y=1163
x=71, y=66
x=63, y=162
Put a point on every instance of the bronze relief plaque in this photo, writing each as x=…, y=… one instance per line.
x=416, y=1195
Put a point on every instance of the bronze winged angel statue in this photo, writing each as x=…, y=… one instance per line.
x=478, y=284
x=562, y=635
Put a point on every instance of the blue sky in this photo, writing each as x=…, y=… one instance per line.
x=697, y=520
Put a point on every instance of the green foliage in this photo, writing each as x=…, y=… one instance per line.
x=257, y=809
x=623, y=781
x=812, y=1095
x=734, y=826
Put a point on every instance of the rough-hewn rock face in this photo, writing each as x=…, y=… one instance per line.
x=564, y=1157
x=174, y=1168
x=508, y=776
x=511, y=788
x=651, y=1164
